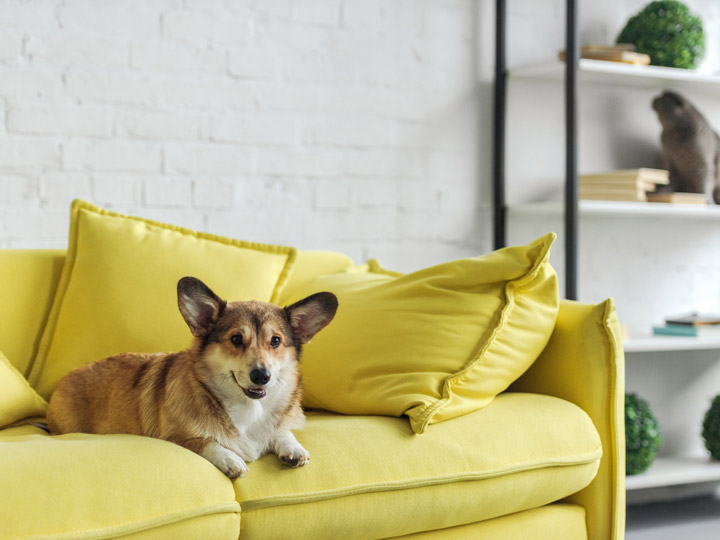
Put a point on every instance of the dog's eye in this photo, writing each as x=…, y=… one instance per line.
x=236, y=340
x=275, y=342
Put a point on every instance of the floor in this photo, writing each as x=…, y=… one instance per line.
x=691, y=519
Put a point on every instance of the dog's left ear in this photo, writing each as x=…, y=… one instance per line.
x=309, y=316
x=199, y=306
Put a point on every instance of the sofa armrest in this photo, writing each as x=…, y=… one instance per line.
x=584, y=363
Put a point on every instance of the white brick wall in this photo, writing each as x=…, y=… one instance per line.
x=328, y=124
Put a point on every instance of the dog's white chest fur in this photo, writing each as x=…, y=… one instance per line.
x=255, y=426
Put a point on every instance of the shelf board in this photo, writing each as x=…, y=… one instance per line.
x=619, y=209
x=616, y=73
x=675, y=471
x=670, y=343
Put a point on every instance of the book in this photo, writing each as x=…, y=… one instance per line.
x=677, y=198
x=646, y=174
x=630, y=185
x=612, y=195
x=623, y=53
x=687, y=330
x=694, y=318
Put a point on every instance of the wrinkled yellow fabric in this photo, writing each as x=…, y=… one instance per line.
x=372, y=477
x=102, y=486
x=584, y=363
x=552, y=522
x=17, y=398
x=28, y=279
x=118, y=288
x=434, y=344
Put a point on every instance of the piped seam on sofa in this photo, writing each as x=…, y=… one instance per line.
x=149, y=524
x=292, y=499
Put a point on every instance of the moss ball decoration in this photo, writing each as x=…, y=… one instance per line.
x=711, y=428
x=668, y=32
x=642, y=434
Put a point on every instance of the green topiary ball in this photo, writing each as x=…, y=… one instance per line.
x=711, y=428
x=668, y=32
x=642, y=434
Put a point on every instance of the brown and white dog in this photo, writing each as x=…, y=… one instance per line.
x=232, y=397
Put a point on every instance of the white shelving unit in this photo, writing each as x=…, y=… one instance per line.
x=610, y=209
x=617, y=74
x=670, y=476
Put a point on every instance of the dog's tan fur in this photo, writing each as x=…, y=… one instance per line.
x=212, y=398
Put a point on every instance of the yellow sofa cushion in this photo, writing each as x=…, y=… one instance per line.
x=118, y=288
x=551, y=522
x=17, y=399
x=28, y=278
x=107, y=486
x=371, y=477
x=434, y=344
x=309, y=265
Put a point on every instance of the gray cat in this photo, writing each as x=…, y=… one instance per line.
x=691, y=149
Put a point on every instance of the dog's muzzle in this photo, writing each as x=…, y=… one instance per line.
x=254, y=392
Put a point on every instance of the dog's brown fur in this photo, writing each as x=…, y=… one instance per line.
x=212, y=398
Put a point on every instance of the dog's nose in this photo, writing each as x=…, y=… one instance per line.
x=260, y=376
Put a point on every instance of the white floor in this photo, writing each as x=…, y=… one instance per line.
x=691, y=519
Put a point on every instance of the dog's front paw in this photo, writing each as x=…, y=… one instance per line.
x=228, y=462
x=294, y=456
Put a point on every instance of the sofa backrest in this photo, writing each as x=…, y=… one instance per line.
x=28, y=279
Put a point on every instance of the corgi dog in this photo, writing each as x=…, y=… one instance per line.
x=232, y=397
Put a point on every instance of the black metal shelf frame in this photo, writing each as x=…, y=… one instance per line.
x=571, y=221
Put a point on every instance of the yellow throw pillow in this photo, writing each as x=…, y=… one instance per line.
x=17, y=399
x=434, y=344
x=118, y=288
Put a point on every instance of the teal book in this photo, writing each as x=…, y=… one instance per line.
x=687, y=330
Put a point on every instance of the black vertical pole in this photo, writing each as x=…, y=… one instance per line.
x=500, y=237
x=572, y=54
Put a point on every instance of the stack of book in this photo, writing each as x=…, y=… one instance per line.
x=692, y=324
x=623, y=185
x=621, y=52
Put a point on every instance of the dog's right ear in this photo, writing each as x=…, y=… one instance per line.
x=200, y=307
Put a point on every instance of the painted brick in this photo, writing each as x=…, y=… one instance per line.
x=29, y=83
x=324, y=12
x=351, y=130
x=126, y=19
x=99, y=155
x=111, y=189
x=177, y=59
x=58, y=190
x=168, y=192
x=9, y=46
x=28, y=152
x=259, y=128
x=214, y=194
x=213, y=28
x=160, y=125
x=376, y=193
x=292, y=162
x=335, y=194
x=121, y=87
x=208, y=159
x=254, y=63
x=63, y=51
x=314, y=123
x=58, y=119
x=16, y=189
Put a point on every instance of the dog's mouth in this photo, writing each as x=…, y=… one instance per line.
x=252, y=392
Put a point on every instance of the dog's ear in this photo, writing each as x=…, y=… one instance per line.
x=200, y=307
x=309, y=316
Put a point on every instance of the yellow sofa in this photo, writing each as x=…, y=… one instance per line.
x=544, y=460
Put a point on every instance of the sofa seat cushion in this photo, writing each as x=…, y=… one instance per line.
x=372, y=477
x=102, y=486
x=551, y=522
